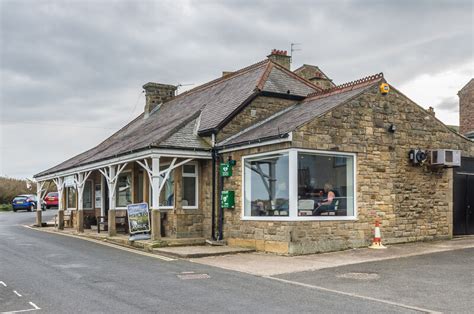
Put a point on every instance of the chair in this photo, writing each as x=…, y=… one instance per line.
x=305, y=207
x=102, y=220
x=329, y=210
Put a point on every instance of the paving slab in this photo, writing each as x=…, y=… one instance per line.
x=266, y=264
x=200, y=251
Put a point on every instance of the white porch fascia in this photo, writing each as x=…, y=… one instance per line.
x=129, y=158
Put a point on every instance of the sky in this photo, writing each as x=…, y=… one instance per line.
x=71, y=72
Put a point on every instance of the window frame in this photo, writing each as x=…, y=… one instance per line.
x=91, y=194
x=67, y=198
x=196, y=180
x=293, y=186
x=117, y=187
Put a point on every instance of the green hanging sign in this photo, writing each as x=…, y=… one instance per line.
x=226, y=170
x=228, y=199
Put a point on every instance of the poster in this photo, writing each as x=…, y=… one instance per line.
x=98, y=196
x=138, y=218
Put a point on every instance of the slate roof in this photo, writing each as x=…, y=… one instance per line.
x=291, y=118
x=203, y=108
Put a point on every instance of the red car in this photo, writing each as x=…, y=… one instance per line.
x=51, y=200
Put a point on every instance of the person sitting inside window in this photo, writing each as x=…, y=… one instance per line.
x=329, y=201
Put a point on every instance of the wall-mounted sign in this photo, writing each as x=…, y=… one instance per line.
x=98, y=196
x=228, y=199
x=69, y=181
x=138, y=218
x=226, y=170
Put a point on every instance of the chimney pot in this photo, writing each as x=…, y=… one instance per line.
x=280, y=57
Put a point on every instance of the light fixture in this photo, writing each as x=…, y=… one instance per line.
x=392, y=128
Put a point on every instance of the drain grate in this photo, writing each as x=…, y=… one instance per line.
x=192, y=276
x=359, y=276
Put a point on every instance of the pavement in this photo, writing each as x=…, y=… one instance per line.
x=51, y=273
x=247, y=261
x=251, y=263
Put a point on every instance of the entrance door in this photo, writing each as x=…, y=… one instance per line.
x=463, y=216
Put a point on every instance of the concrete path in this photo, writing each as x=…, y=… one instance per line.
x=262, y=264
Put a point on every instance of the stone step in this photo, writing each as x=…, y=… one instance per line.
x=200, y=251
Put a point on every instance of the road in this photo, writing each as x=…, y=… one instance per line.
x=49, y=273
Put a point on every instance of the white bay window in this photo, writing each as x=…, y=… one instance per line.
x=299, y=184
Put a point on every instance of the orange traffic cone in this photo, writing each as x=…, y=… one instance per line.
x=377, y=242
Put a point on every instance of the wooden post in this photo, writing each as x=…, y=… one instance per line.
x=111, y=174
x=111, y=222
x=59, y=182
x=155, y=201
x=39, y=196
x=80, y=179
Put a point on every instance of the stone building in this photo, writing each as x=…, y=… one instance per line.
x=267, y=158
x=466, y=110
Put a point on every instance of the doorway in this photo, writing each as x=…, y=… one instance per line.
x=463, y=209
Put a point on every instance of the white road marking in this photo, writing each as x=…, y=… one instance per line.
x=14, y=291
x=415, y=308
x=116, y=246
x=3, y=284
x=35, y=308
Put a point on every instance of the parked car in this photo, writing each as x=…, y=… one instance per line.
x=27, y=202
x=51, y=200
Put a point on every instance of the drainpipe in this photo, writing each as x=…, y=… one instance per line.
x=221, y=210
x=213, y=211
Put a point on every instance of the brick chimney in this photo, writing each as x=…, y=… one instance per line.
x=466, y=109
x=281, y=57
x=156, y=94
x=314, y=74
x=431, y=111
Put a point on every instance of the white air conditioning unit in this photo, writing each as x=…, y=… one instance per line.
x=445, y=157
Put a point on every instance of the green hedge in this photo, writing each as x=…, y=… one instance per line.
x=5, y=207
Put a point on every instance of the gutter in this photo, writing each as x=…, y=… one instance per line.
x=224, y=148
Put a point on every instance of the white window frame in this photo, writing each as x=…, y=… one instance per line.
x=131, y=188
x=67, y=198
x=293, y=186
x=196, y=178
x=92, y=195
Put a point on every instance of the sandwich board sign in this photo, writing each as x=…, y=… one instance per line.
x=138, y=221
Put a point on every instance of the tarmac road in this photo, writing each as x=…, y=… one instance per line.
x=49, y=273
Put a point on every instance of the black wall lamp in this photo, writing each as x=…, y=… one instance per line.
x=392, y=128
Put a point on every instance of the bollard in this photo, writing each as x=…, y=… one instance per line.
x=155, y=224
x=111, y=224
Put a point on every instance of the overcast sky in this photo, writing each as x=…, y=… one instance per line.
x=72, y=71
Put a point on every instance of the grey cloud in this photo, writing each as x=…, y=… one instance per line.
x=84, y=62
x=449, y=104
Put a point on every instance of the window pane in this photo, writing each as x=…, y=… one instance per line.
x=267, y=186
x=87, y=195
x=325, y=185
x=71, y=198
x=124, y=189
x=190, y=169
x=140, y=187
x=189, y=191
x=167, y=193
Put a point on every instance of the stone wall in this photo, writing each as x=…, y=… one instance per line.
x=466, y=108
x=413, y=203
x=259, y=109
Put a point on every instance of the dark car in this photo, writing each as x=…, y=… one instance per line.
x=51, y=200
x=27, y=202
